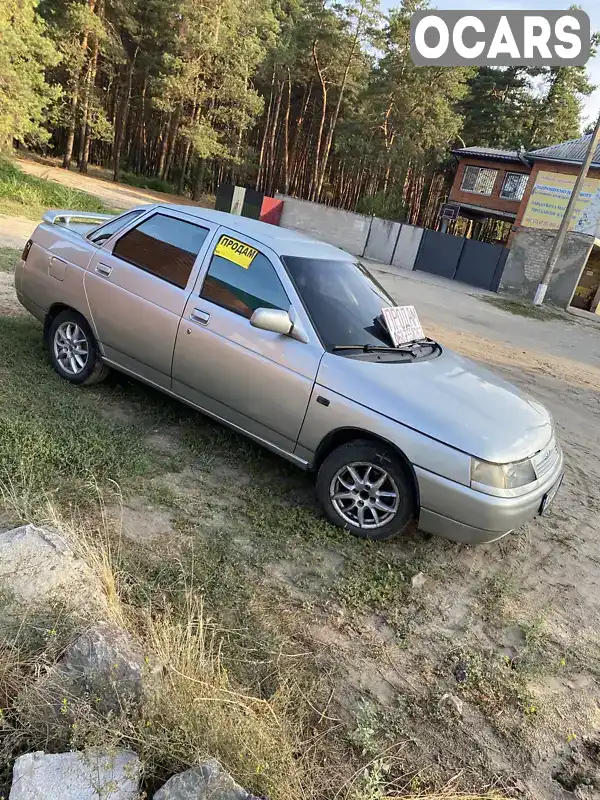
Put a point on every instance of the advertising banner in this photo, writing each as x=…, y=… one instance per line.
x=549, y=198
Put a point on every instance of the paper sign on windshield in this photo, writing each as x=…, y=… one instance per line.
x=238, y=252
x=403, y=324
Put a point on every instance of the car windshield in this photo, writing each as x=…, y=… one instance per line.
x=343, y=300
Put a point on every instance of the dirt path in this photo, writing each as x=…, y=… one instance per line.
x=117, y=195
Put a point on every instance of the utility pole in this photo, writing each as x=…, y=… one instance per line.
x=559, y=239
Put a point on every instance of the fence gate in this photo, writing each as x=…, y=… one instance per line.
x=439, y=253
x=476, y=263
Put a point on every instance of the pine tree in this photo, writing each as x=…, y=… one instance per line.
x=25, y=53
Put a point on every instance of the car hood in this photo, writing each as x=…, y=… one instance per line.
x=449, y=398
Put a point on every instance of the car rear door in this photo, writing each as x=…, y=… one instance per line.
x=137, y=289
x=256, y=380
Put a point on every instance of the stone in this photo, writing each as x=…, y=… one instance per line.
x=208, y=781
x=461, y=671
x=452, y=703
x=418, y=581
x=94, y=774
x=104, y=668
x=37, y=565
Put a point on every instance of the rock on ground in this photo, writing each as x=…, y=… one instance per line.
x=418, y=581
x=38, y=565
x=95, y=774
x=452, y=703
x=207, y=781
x=103, y=668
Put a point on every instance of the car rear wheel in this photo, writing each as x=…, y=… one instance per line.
x=365, y=488
x=73, y=349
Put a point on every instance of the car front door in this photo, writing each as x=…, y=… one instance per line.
x=254, y=379
x=137, y=287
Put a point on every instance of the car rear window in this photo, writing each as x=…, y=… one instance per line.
x=163, y=245
x=103, y=233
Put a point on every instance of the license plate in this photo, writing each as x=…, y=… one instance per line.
x=549, y=496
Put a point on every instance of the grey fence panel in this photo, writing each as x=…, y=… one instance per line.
x=407, y=247
x=439, y=253
x=480, y=263
x=343, y=229
x=381, y=241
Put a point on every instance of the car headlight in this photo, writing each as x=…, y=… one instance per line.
x=502, y=476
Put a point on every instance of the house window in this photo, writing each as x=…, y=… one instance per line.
x=479, y=180
x=514, y=185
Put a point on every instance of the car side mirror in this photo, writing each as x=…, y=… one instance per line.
x=278, y=321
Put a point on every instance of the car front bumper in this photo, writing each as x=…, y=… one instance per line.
x=462, y=514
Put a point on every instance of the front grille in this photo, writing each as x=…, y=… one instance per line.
x=546, y=459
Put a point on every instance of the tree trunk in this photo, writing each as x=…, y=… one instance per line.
x=85, y=107
x=286, y=136
x=174, y=133
x=272, y=177
x=336, y=113
x=298, y=129
x=312, y=192
x=139, y=138
x=261, y=157
x=199, y=180
x=184, y=164
x=120, y=128
x=84, y=153
x=75, y=96
x=164, y=145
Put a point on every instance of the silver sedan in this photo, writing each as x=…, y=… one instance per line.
x=282, y=338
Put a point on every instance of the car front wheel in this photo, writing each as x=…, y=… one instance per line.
x=73, y=349
x=365, y=488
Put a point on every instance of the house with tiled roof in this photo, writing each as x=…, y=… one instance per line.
x=528, y=192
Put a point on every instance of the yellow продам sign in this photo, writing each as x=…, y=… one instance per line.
x=238, y=252
x=549, y=198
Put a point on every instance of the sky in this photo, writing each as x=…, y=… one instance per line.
x=591, y=108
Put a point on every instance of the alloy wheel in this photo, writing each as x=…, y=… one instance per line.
x=71, y=348
x=365, y=495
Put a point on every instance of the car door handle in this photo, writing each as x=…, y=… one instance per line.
x=200, y=316
x=103, y=269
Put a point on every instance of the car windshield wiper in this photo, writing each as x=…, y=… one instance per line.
x=372, y=348
x=408, y=347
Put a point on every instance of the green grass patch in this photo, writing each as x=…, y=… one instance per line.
x=523, y=308
x=53, y=437
x=29, y=196
x=143, y=182
x=8, y=258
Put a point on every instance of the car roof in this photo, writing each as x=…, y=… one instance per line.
x=282, y=241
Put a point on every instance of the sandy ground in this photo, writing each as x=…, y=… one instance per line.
x=547, y=574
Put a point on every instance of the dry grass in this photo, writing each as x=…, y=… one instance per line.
x=191, y=709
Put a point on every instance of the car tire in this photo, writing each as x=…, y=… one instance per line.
x=73, y=349
x=355, y=469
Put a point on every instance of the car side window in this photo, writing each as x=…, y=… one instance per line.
x=242, y=279
x=164, y=246
x=106, y=231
